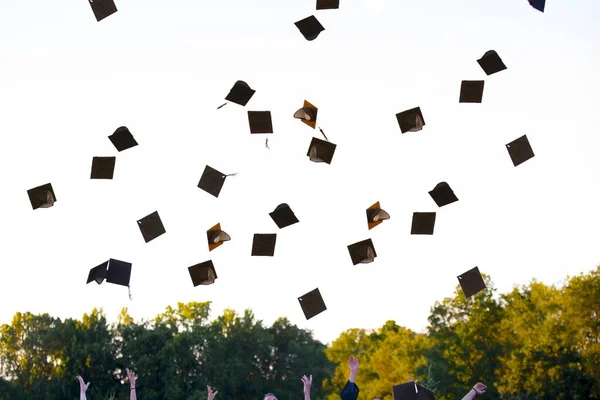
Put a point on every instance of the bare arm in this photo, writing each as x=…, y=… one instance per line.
x=307, y=383
x=353, y=363
x=82, y=388
x=131, y=376
x=478, y=389
x=211, y=393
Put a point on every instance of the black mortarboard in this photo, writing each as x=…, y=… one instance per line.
x=375, y=215
x=362, y=252
x=203, y=273
x=520, y=150
x=260, y=121
x=312, y=304
x=310, y=27
x=216, y=237
x=442, y=194
x=471, y=92
x=212, y=181
x=321, y=151
x=240, y=93
x=423, y=223
x=264, y=244
x=103, y=167
x=411, y=120
x=328, y=4
x=538, y=4
x=412, y=391
x=283, y=216
x=122, y=139
x=151, y=226
x=491, y=63
x=42, y=196
x=471, y=282
x=308, y=114
x=114, y=271
x=103, y=8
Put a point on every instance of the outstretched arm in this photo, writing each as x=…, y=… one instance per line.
x=353, y=363
x=307, y=383
x=350, y=391
x=131, y=376
x=82, y=387
x=478, y=389
x=211, y=394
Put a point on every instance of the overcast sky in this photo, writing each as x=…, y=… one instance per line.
x=161, y=68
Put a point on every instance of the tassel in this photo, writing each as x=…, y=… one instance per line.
x=221, y=106
x=129, y=290
x=416, y=389
x=231, y=174
x=323, y=133
x=267, y=144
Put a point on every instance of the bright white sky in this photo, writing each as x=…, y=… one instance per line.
x=162, y=67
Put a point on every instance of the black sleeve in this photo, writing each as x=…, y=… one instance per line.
x=350, y=391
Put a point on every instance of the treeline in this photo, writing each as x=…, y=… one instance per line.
x=537, y=342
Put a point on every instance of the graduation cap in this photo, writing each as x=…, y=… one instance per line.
x=42, y=196
x=122, y=139
x=375, y=215
x=412, y=391
x=471, y=92
x=283, y=216
x=321, y=151
x=212, y=181
x=240, y=93
x=538, y=4
x=310, y=27
x=264, y=244
x=411, y=120
x=307, y=114
x=312, y=304
x=260, y=121
x=443, y=195
x=423, y=223
x=491, y=63
x=203, y=273
x=471, y=282
x=328, y=4
x=114, y=271
x=151, y=226
x=103, y=167
x=216, y=237
x=362, y=252
x=520, y=150
x=103, y=8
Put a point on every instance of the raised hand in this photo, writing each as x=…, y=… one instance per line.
x=211, y=394
x=479, y=388
x=307, y=383
x=131, y=376
x=353, y=363
x=82, y=385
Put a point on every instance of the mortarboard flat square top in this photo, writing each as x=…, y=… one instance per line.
x=411, y=120
x=328, y=4
x=122, y=139
x=471, y=282
x=310, y=27
x=216, y=237
x=151, y=226
x=423, y=223
x=362, y=252
x=321, y=151
x=412, y=391
x=308, y=114
x=312, y=304
x=42, y=196
x=103, y=167
x=114, y=271
x=491, y=63
x=471, y=92
x=538, y=4
x=375, y=215
x=203, y=273
x=103, y=8
x=240, y=93
x=260, y=121
x=443, y=195
x=264, y=244
x=520, y=150
x=212, y=181
x=283, y=216
x=98, y=273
